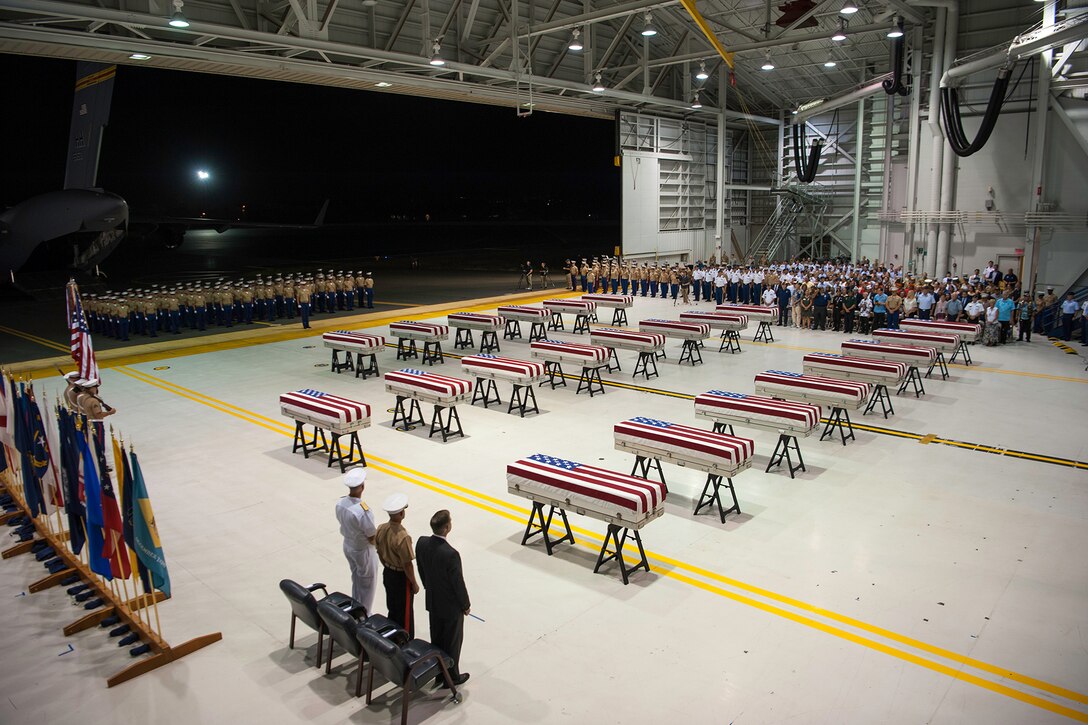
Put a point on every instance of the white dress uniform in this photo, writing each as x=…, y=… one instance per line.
x=357, y=527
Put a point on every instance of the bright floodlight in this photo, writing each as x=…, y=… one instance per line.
x=203, y=175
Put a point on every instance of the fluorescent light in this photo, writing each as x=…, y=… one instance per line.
x=649, y=30
x=139, y=56
x=702, y=75
x=436, y=57
x=575, y=42
x=177, y=20
x=849, y=8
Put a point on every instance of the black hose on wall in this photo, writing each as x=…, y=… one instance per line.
x=806, y=168
x=953, y=125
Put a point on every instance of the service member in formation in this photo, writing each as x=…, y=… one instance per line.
x=399, y=576
x=302, y=292
x=71, y=390
x=88, y=402
x=368, y=290
x=357, y=528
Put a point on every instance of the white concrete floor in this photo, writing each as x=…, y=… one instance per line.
x=892, y=582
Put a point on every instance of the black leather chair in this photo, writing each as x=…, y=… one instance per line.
x=342, y=626
x=409, y=666
x=304, y=607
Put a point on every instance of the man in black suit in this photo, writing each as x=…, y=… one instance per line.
x=447, y=598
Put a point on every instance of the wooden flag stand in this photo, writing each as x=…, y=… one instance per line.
x=161, y=652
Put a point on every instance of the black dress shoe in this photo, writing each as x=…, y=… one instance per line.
x=459, y=680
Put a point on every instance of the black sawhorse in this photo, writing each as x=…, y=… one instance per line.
x=939, y=361
x=512, y=331
x=485, y=391
x=313, y=446
x=556, y=321
x=880, y=395
x=489, y=341
x=647, y=359
x=536, y=332
x=554, y=370
x=730, y=341
x=912, y=379
x=432, y=353
x=690, y=352
x=539, y=524
x=339, y=366
x=463, y=339
x=613, y=361
x=962, y=349
x=409, y=418
x=618, y=540
x=840, y=419
x=787, y=444
x=708, y=496
x=643, y=466
x=590, y=381
x=520, y=399
x=366, y=370
x=581, y=324
x=619, y=317
x=764, y=333
x=337, y=455
x=445, y=427
x=406, y=352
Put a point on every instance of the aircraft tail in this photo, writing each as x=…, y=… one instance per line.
x=90, y=114
x=320, y=220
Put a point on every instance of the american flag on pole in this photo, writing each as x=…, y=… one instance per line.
x=82, y=347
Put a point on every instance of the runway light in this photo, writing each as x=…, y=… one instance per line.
x=203, y=175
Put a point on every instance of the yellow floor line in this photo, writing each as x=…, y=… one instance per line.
x=34, y=338
x=509, y=512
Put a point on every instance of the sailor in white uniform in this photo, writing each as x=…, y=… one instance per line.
x=358, y=529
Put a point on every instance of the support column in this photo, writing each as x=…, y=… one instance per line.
x=859, y=155
x=937, y=64
x=1038, y=164
x=722, y=241
x=912, y=150
x=940, y=265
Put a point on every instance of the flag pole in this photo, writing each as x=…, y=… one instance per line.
x=155, y=605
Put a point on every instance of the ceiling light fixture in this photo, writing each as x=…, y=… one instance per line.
x=575, y=41
x=830, y=62
x=767, y=64
x=648, y=30
x=598, y=84
x=384, y=84
x=897, y=28
x=139, y=56
x=702, y=75
x=436, y=56
x=695, y=101
x=849, y=8
x=177, y=20
x=840, y=35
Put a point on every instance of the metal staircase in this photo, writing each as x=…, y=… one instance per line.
x=798, y=205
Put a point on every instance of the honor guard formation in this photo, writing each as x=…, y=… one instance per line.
x=172, y=309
